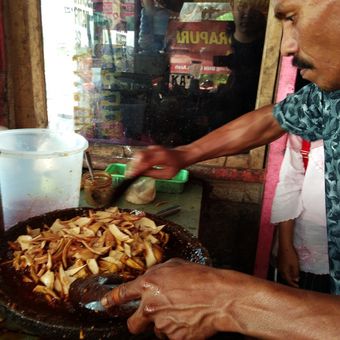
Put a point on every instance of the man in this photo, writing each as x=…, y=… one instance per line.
x=189, y=301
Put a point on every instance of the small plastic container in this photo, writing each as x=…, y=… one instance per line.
x=40, y=171
x=174, y=185
x=97, y=192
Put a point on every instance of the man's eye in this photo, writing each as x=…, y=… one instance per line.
x=290, y=18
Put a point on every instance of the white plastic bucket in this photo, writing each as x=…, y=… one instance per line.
x=40, y=171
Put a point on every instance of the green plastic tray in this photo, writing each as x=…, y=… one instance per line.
x=174, y=185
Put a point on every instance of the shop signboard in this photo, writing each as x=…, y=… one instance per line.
x=193, y=43
x=197, y=41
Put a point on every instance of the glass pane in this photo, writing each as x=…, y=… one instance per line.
x=141, y=72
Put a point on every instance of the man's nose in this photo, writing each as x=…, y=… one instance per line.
x=289, y=42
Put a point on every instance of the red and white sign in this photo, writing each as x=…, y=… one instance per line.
x=197, y=41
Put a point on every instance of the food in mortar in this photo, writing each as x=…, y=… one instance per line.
x=105, y=241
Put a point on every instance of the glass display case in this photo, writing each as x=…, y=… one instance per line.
x=140, y=72
x=82, y=68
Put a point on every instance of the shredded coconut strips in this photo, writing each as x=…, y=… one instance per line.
x=107, y=241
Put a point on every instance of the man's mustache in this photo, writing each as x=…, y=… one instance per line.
x=300, y=63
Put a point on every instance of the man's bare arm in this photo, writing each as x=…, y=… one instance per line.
x=253, y=129
x=213, y=300
x=248, y=131
x=273, y=311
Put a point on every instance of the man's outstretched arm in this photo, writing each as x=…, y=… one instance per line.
x=253, y=129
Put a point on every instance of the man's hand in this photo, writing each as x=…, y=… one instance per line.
x=288, y=265
x=180, y=298
x=157, y=161
x=288, y=260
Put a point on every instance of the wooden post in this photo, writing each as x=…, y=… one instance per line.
x=266, y=88
x=25, y=64
x=286, y=84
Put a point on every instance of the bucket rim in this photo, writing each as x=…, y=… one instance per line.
x=7, y=152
